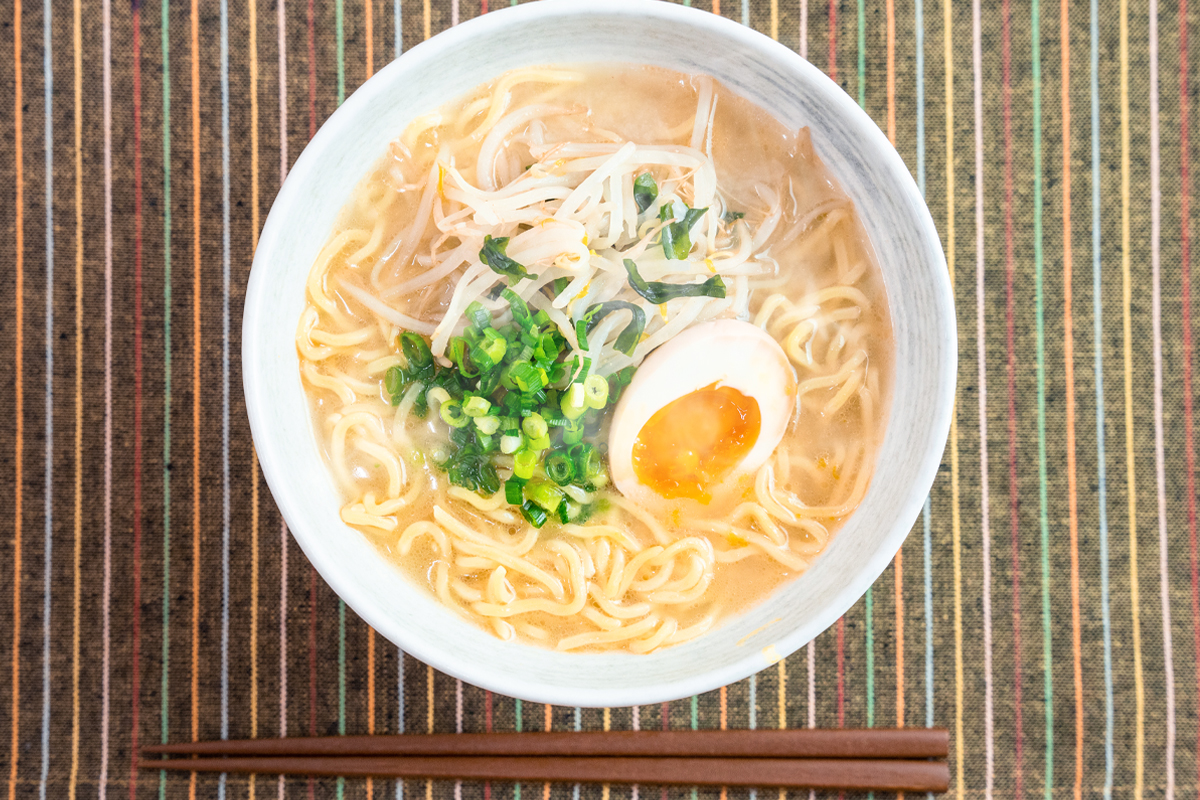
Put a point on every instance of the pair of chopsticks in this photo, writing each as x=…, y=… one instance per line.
x=860, y=760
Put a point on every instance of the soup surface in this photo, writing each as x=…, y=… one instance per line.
x=599, y=355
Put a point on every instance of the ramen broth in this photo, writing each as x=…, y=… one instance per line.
x=622, y=574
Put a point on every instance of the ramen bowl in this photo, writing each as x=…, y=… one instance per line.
x=627, y=32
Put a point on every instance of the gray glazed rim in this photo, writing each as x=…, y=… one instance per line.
x=575, y=31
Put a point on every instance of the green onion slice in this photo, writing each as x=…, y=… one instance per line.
x=573, y=433
x=523, y=463
x=587, y=461
x=477, y=406
x=560, y=468
x=574, y=401
x=617, y=383
x=545, y=494
x=393, y=384
x=676, y=241
x=494, y=256
x=417, y=353
x=658, y=292
x=453, y=414
x=533, y=514
x=632, y=334
x=645, y=191
x=480, y=317
x=487, y=425
x=534, y=425
x=512, y=491
x=595, y=390
x=520, y=311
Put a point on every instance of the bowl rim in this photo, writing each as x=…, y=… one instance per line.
x=477, y=672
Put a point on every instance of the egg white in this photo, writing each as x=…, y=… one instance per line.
x=726, y=352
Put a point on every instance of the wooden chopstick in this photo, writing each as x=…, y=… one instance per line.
x=892, y=775
x=804, y=743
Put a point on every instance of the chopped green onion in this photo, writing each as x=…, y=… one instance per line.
x=560, y=468
x=494, y=292
x=494, y=349
x=573, y=433
x=675, y=239
x=632, y=334
x=527, y=377
x=480, y=317
x=502, y=391
x=580, y=368
x=618, y=381
x=534, y=426
x=393, y=383
x=453, y=414
x=512, y=491
x=456, y=351
x=553, y=416
x=477, y=406
x=578, y=493
x=645, y=190
x=658, y=293
x=533, y=514
x=587, y=461
x=731, y=217
x=487, y=425
x=520, y=311
x=596, y=390
x=548, y=348
x=546, y=495
x=523, y=463
x=416, y=352
x=555, y=287
x=558, y=373
x=420, y=404
x=574, y=401
x=489, y=383
x=494, y=256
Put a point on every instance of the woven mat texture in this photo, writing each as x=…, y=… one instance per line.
x=1045, y=605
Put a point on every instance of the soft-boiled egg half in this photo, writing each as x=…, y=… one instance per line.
x=702, y=410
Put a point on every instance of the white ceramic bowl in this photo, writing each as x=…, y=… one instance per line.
x=633, y=31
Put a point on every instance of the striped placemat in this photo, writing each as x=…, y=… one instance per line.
x=1045, y=607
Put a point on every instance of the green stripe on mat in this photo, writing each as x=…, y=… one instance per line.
x=869, y=598
x=1043, y=517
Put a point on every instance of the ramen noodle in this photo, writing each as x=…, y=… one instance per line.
x=600, y=356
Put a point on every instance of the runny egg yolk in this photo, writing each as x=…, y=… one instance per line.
x=694, y=442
